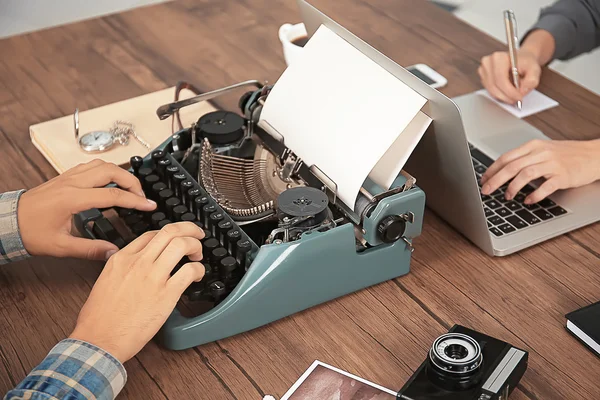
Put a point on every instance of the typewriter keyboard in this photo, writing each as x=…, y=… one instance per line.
x=508, y=216
x=227, y=250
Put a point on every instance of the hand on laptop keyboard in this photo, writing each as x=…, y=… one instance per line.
x=509, y=216
x=564, y=164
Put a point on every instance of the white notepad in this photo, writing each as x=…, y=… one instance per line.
x=340, y=111
x=534, y=102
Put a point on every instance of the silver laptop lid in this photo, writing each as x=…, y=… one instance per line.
x=442, y=161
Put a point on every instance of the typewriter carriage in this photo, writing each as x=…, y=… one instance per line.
x=291, y=170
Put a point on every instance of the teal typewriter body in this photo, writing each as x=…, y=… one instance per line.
x=279, y=240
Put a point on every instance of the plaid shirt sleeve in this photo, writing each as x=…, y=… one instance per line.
x=73, y=370
x=11, y=245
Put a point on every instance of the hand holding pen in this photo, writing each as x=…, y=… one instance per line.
x=499, y=71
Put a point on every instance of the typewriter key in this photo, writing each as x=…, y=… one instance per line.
x=136, y=163
x=156, y=189
x=243, y=246
x=188, y=217
x=199, y=203
x=132, y=219
x=170, y=204
x=207, y=234
x=213, y=221
x=178, y=212
x=157, y=155
x=164, y=222
x=140, y=228
x=124, y=212
x=149, y=181
x=232, y=238
x=217, y=255
x=218, y=290
x=206, y=211
x=162, y=166
x=170, y=171
x=156, y=218
x=185, y=188
x=143, y=173
x=208, y=272
x=195, y=291
x=163, y=196
x=209, y=245
x=227, y=266
x=176, y=183
x=222, y=228
x=190, y=196
x=199, y=225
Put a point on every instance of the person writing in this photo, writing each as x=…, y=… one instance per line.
x=133, y=296
x=564, y=30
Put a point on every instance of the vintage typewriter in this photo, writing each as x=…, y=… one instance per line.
x=278, y=239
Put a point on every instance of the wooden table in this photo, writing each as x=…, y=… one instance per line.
x=381, y=333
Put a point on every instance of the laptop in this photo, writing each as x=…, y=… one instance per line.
x=467, y=134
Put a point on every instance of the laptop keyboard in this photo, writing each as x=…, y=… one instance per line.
x=508, y=216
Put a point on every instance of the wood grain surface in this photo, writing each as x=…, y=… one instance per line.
x=381, y=333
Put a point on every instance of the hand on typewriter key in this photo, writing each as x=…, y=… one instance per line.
x=45, y=213
x=135, y=292
x=563, y=163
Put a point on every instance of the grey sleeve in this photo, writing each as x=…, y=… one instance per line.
x=574, y=24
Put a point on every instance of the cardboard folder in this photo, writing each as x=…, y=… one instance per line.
x=56, y=139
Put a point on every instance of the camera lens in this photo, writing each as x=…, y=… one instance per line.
x=455, y=360
x=456, y=351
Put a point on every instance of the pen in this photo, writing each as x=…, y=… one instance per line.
x=510, y=23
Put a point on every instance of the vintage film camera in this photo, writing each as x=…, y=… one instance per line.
x=467, y=365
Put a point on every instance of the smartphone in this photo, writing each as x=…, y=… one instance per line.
x=427, y=75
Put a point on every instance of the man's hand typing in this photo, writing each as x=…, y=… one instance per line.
x=135, y=292
x=45, y=213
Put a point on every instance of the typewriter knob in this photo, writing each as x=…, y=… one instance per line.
x=244, y=101
x=221, y=127
x=391, y=228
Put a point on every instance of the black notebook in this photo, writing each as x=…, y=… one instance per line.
x=584, y=324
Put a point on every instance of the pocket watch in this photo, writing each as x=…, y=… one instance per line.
x=101, y=141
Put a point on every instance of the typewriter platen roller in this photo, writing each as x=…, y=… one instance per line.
x=278, y=240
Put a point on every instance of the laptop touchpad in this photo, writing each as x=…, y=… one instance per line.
x=496, y=145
